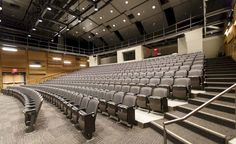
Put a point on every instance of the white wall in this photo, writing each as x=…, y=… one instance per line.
x=93, y=61
x=139, y=55
x=192, y=42
x=212, y=46
x=107, y=60
x=182, y=46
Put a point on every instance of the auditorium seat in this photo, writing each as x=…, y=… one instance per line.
x=158, y=100
x=112, y=105
x=181, y=88
x=142, y=97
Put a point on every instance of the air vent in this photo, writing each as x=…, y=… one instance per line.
x=108, y=27
x=14, y=6
x=130, y=16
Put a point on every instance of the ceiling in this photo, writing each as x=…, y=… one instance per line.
x=114, y=22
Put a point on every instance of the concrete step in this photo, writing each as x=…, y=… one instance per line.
x=218, y=84
x=230, y=75
x=209, y=114
x=227, y=79
x=229, y=97
x=213, y=131
x=219, y=105
x=218, y=89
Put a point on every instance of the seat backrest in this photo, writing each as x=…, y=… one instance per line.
x=183, y=81
x=162, y=92
x=135, y=89
x=169, y=74
x=167, y=81
x=146, y=91
x=125, y=88
x=84, y=102
x=129, y=100
x=181, y=73
x=118, y=88
x=159, y=74
x=110, y=87
x=92, y=106
x=144, y=80
x=155, y=81
x=109, y=95
x=195, y=72
x=197, y=66
x=118, y=97
x=78, y=99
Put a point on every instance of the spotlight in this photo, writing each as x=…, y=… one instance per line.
x=48, y=8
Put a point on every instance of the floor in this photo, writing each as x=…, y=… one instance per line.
x=53, y=128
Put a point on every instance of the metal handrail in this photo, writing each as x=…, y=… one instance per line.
x=193, y=112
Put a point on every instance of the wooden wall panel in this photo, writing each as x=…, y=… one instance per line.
x=14, y=59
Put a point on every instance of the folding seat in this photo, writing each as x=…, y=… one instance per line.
x=134, y=81
x=201, y=62
x=159, y=74
x=110, y=87
x=169, y=74
x=185, y=67
x=181, y=88
x=197, y=67
x=76, y=109
x=142, y=97
x=169, y=65
x=150, y=74
x=157, y=69
x=188, y=63
x=135, y=75
x=143, y=82
x=158, y=100
x=174, y=68
x=179, y=63
x=76, y=104
x=117, y=88
x=154, y=82
x=167, y=83
x=126, y=81
x=134, y=90
x=125, y=88
x=87, y=118
x=142, y=74
x=112, y=105
x=130, y=75
x=196, y=78
x=126, y=111
x=165, y=69
x=181, y=74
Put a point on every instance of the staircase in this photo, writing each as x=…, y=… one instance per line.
x=214, y=123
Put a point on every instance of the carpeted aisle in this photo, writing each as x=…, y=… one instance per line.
x=53, y=128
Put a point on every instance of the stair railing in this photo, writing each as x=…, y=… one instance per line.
x=193, y=112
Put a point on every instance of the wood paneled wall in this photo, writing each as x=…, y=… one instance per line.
x=230, y=40
x=23, y=58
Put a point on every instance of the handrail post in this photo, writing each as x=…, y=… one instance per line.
x=164, y=134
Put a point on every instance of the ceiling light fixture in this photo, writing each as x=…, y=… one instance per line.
x=89, y=37
x=76, y=32
x=103, y=30
x=34, y=29
x=40, y=20
x=114, y=25
x=91, y=23
x=126, y=2
x=100, y=17
x=82, y=8
x=83, y=65
x=83, y=27
x=48, y=8
x=95, y=7
x=79, y=20
x=67, y=29
x=52, y=40
x=111, y=11
x=59, y=35
x=124, y=20
x=0, y=8
x=0, y=20
x=29, y=35
x=138, y=14
x=9, y=49
x=96, y=33
x=153, y=7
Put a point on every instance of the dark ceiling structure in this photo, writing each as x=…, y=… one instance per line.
x=100, y=22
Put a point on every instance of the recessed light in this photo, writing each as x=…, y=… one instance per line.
x=40, y=20
x=76, y=32
x=124, y=20
x=67, y=29
x=111, y=11
x=138, y=14
x=52, y=40
x=0, y=20
x=100, y=17
x=103, y=30
x=73, y=16
x=56, y=58
x=79, y=20
x=89, y=37
x=96, y=9
x=35, y=66
x=114, y=25
x=48, y=8
x=96, y=33
x=0, y=8
x=126, y=2
x=83, y=27
x=82, y=65
x=59, y=35
x=61, y=27
x=91, y=23
x=29, y=35
x=34, y=29
x=9, y=49
x=153, y=7
x=82, y=8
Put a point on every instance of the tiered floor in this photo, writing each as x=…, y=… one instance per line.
x=53, y=128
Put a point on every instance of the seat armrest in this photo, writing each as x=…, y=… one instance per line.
x=182, y=86
x=141, y=95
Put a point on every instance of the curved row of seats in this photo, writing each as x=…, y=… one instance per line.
x=83, y=108
x=31, y=100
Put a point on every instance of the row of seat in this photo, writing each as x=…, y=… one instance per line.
x=31, y=100
x=82, y=108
